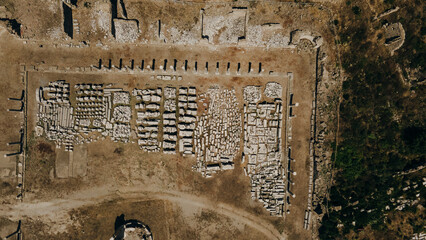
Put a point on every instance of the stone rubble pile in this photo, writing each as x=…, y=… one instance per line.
x=56, y=114
x=121, y=116
x=169, y=121
x=252, y=94
x=148, y=118
x=91, y=108
x=311, y=165
x=121, y=132
x=218, y=131
x=187, y=104
x=96, y=109
x=262, y=149
x=226, y=27
x=273, y=90
x=121, y=97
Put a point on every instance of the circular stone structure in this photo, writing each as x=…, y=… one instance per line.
x=132, y=230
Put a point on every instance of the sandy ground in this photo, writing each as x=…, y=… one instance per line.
x=56, y=210
x=98, y=171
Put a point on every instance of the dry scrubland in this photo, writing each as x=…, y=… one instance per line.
x=161, y=190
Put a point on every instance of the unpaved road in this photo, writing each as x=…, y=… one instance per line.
x=57, y=210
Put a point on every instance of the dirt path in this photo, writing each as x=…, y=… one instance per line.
x=57, y=210
x=238, y=215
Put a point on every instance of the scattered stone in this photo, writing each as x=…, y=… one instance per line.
x=273, y=90
x=126, y=31
x=252, y=94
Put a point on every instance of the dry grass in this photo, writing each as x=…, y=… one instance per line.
x=40, y=162
x=40, y=166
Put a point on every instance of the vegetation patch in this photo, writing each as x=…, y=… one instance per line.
x=382, y=127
